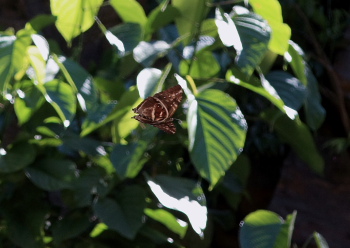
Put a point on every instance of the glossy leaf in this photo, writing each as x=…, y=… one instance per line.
x=255, y=35
x=130, y=11
x=123, y=214
x=217, y=131
x=271, y=11
x=320, y=240
x=130, y=34
x=74, y=17
x=170, y=221
x=147, y=53
x=289, y=88
x=183, y=195
x=192, y=14
x=38, y=64
x=62, y=98
x=18, y=157
x=314, y=112
x=297, y=135
x=266, y=229
x=147, y=81
x=52, y=174
x=6, y=70
x=262, y=88
x=129, y=159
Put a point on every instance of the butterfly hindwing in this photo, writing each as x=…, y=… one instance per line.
x=158, y=110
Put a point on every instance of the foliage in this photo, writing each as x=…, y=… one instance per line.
x=77, y=171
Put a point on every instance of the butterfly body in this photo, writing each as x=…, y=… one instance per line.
x=158, y=110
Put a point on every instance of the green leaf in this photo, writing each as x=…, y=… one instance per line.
x=167, y=219
x=124, y=214
x=265, y=229
x=28, y=101
x=160, y=17
x=129, y=159
x=271, y=11
x=74, y=17
x=62, y=98
x=39, y=22
x=314, y=112
x=81, y=81
x=192, y=14
x=217, y=131
x=262, y=88
x=38, y=64
x=205, y=65
x=105, y=113
x=289, y=88
x=130, y=11
x=130, y=34
x=320, y=240
x=52, y=174
x=6, y=70
x=147, y=53
x=147, y=81
x=183, y=195
x=297, y=135
x=18, y=157
x=255, y=35
x=87, y=145
x=70, y=226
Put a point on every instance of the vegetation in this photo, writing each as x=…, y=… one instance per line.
x=77, y=171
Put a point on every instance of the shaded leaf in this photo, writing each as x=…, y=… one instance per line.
x=18, y=157
x=204, y=66
x=124, y=214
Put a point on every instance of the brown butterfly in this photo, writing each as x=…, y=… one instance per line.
x=158, y=110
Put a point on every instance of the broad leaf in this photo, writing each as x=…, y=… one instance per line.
x=74, y=17
x=52, y=174
x=124, y=214
x=266, y=229
x=129, y=159
x=160, y=17
x=130, y=11
x=183, y=195
x=130, y=34
x=255, y=35
x=217, y=131
x=18, y=157
x=271, y=11
x=297, y=135
x=192, y=14
x=6, y=70
x=204, y=65
x=146, y=53
x=62, y=98
x=289, y=88
x=147, y=81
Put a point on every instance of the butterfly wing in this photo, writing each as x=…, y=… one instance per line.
x=167, y=127
x=170, y=99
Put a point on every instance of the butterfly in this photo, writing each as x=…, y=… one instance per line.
x=158, y=110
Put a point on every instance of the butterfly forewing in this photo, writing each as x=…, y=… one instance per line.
x=157, y=110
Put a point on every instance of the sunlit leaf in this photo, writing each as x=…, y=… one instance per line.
x=217, y=131
x=74, y=17
x=130, y=11
x=146, y=53
x=183, y=195
x=205, y=65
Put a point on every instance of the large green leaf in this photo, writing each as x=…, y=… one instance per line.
x=295, y=133
x=314, y=112
x=6, y=70
x=289, y=88
x=159, y=17
x=255, y=35
x=18, y=157
x=28, y=101
x=146, y=53
x=217, y=131
x=74, y=17
x=130, y=34
x=123, y=214
x=130, y=11
x=265, y=229
x=183, y=195
x=38, y=64
x=205, y=65
x=62, y=98
x=129, y=159
x=52, y=174
x=192, y=14
x=271, y=11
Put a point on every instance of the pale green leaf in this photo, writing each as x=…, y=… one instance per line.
x=130, y=11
